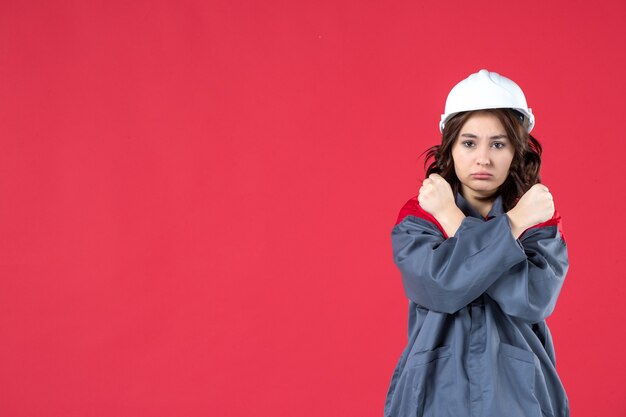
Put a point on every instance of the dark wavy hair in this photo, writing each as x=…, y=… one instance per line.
x=525, y=166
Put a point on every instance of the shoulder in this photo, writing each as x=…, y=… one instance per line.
x=413, y=208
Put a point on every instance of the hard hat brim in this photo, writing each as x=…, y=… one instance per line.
x=528, y=123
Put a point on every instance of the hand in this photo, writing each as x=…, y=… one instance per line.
x=534, y=207
x=435, y=195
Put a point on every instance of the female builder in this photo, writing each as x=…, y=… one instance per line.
x=482, y=258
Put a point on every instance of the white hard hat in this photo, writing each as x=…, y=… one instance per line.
x=487, y=90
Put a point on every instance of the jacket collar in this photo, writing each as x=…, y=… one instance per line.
x=468, y=210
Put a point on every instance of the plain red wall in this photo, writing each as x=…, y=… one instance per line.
x=197, y=197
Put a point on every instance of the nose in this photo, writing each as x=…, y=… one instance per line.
x=482, y=156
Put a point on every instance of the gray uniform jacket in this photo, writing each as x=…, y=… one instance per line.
x=478, y=344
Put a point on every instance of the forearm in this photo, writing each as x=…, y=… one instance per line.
x=447, y=274
x=531, y=288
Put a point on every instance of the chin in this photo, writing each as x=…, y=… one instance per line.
x=483, y=185
x=486, y=190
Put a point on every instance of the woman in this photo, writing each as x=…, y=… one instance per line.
x=482, y=258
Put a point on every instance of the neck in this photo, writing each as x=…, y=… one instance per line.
x=480, y=202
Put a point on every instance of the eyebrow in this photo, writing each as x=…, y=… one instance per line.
x=473, y=136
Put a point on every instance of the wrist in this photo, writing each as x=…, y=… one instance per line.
x=450, y=219
x=517, y=226
x=446, y=212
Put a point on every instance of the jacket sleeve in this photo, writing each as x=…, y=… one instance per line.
x=443, y=274
x=529, y=290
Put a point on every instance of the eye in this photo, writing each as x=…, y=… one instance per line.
x=467, y=143
x=499, y=145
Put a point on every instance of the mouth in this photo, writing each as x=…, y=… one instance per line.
x=482, y=176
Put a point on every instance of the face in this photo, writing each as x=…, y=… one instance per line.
x=482, y=147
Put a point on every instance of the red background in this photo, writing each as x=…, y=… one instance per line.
x=197, y=197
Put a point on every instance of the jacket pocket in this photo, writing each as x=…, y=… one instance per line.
x=434, y=382
x=426, y=356
x=515, y=383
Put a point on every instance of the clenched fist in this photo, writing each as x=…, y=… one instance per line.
x=534, y=207
x=435, y=195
